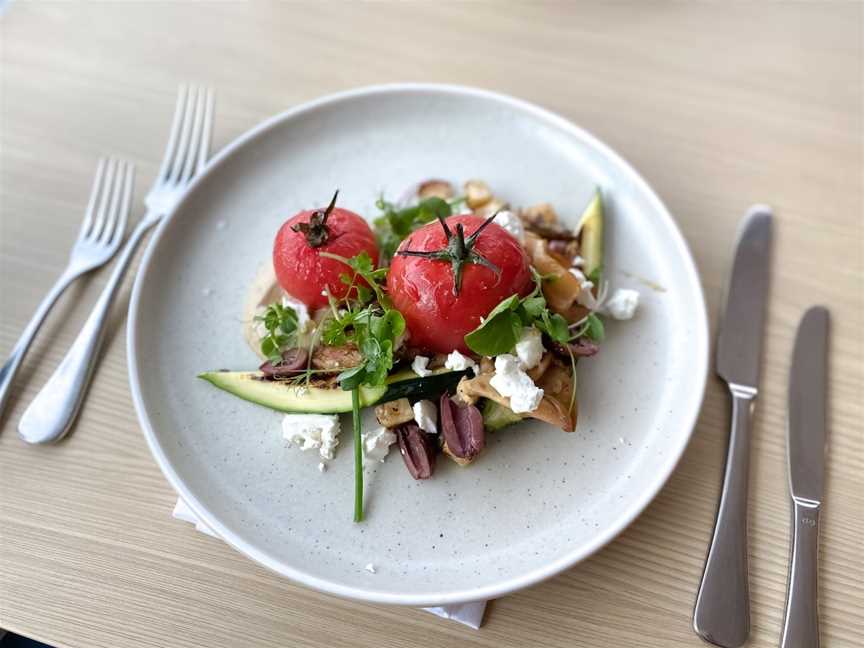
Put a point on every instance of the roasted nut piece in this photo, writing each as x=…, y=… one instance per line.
x=487, y=365
x=337, y=358
x=462, y=428
x=435, y=188
x=394, y=413
x=541, y=213
x=418, y=450
x=491, y=207
x=293, y=362
x=477, y=193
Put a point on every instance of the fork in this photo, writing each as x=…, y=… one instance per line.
x=55, y=407
x=98, y=239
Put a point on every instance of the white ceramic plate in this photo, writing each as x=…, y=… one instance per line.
x=538, y=500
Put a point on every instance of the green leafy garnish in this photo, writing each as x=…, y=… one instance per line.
x=282, y=328
x=394, y=224
x=595, y=329
x=373, y=326
x=502, y=328
x=595, y=275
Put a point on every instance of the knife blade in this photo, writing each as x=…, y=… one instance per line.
x=807, y=432
x=805, y=444
x=739, y=343
x=722, y=612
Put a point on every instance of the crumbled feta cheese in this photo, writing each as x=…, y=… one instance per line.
x=578, y=261
x=419, y=366
x=370, y=568
x=576, y=272
x=322, y=467
x=529, y=348
x=376, y=443
x=458, y=362
x=510, y=222
x=426, y=416
x=512, y=382
x=298, y=307
x=312, y=431
x=622, y=304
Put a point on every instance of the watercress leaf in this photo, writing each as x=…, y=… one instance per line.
x=595, y=330
x=556, y=327
x=431, y=208
x=596, y=274
x=351, y=378
x=364, y=294
x=345, y=279
x=533, y=307
x=509, y=304
x=496, y=335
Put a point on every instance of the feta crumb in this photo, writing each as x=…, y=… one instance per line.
x=370, y=568
x=426, y=416
x=622, y=304
x=312, y=431
x=458, y=362
x=578, y=261
x=511, y=222
x=298, y=307
x=576, y=272
x=529, y=348
x=376, y=444
x=322, y=467
x=512, y=382
x=419, y=366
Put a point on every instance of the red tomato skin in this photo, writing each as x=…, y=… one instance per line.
x=422, y=289
x=300, y=269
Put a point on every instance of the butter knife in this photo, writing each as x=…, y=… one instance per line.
x=805, y=443
x=722, y=612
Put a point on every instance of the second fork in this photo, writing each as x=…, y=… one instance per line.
x=55, y=407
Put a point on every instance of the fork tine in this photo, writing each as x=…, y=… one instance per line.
x=206, y=133
x=125, y=204
x=96, y=230
x=94, y=194
x=195, y=138
x=176, y=165
x=171, y=147
x=111, y=217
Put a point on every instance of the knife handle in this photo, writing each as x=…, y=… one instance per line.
x=801, y=623
x=722, y=612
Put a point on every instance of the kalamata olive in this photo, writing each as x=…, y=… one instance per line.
x=462, y=426
x=418, y=450
x=293, y=362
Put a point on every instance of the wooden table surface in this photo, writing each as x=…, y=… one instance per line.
x=718, y=107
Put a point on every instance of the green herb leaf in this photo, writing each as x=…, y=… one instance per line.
x=595, y=275
x=595, y=330
x=499, y=332
x=281, y=325
x=394, y=225
x=555, y=326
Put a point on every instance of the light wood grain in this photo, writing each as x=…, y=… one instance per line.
x=718, y=106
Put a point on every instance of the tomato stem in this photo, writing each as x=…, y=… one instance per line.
x=315, y=231
x=458, y=251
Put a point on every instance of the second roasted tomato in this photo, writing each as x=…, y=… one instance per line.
x=439, y=306
x=301, y=270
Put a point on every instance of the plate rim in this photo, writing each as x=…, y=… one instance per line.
x=458, y=595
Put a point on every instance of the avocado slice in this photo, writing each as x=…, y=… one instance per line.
x=283, y=397
x=496, y=416
x=591, y=235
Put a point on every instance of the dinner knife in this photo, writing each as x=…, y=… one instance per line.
x=722, y=612
x=805, y=446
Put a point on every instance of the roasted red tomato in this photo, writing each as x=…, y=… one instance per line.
x=300, y=268
x=448, y=275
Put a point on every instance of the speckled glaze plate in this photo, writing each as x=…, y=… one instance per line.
x=538, y=500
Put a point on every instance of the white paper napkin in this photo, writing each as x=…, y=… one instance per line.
x=471, y=614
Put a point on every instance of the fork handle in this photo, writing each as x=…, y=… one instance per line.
x=52, y=412
x=722, y=612
x=8, y=371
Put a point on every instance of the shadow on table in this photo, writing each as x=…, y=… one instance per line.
x=9, y=640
